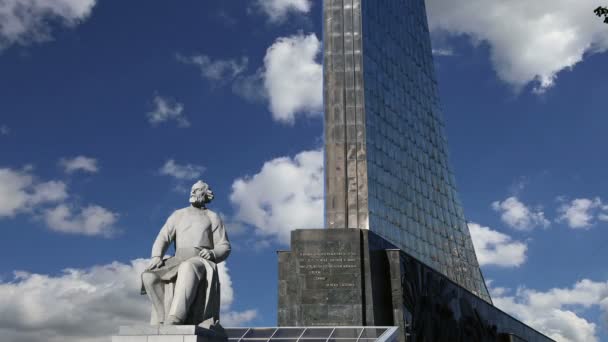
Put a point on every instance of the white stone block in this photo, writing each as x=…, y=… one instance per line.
x=129, y=339
x=178, y=329
x=166, y=338
x=143, y=329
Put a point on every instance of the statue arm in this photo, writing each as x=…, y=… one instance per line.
x=164, y=238
x=221, y=245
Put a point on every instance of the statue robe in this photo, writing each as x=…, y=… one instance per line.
x=194, y=298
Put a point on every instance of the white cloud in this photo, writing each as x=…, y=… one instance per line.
x=518, y=215
x=498, y=292
x=495, y=248
x=278, y=10
x=554, y=312
x=79, y=163
x=286, y=194
x=603, y=216
x=293, y=78
x=216, y=70
x=20, y=191
x=92, y=220
x=529, y=41
x=181, y=172
x=166, y=110
x=443, y=52
x=28, y=21
x=86, y=305
x=48, y=192
x=581, y=212
x=4, y=130
x=251, y=87
x=238, y=318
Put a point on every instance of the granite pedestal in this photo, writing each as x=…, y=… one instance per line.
x=348, y=277
x=332, y=278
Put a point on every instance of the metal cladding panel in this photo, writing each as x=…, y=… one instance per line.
x=313, y=334
x=345, y=157
x=386, y=162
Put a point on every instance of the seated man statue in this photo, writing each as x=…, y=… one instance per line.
x=185, y=289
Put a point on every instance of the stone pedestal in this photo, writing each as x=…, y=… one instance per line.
x=331, y=277
x=167, y=333
x=351, y=277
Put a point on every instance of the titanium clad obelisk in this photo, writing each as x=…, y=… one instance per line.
x=400, y=252
x=386, y=156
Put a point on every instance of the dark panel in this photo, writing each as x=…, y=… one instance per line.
x=352, y=277
x=321, y=279
x=434, y=308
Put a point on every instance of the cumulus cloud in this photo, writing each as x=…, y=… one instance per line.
x=517, y=215
x=495, y=248
x=286, y=194
x=554, y=312
x=4, y=130
x=79, y=163
x=580, y=213
x=529, y=41
x=92, y=220
x=48, y=192
x=216, y=70
x=167, y=110
x=86, y=305
x=278, y=10
x=20, y=191
x=293, y=78
x=24, y=22
x=181, y=172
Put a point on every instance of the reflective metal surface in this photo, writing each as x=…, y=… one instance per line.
x=312, y=334
x=386, y=156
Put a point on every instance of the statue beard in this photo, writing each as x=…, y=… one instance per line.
x=197, y=200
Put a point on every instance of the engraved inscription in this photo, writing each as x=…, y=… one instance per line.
x=329, y=270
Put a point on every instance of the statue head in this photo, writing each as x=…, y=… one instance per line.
x=200, y=194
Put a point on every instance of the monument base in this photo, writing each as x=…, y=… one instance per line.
x=351, y=277
x=167, y=333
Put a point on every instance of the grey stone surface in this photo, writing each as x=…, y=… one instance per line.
x=129, y=339
x=138, y=330
x=350, y=277
x=326, y=280
x=194, y=296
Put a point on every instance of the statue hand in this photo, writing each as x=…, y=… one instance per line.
x=155, y=263
x=206, y=254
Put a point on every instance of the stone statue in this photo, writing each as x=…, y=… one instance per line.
x=185, y=289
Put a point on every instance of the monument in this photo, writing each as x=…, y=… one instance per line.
x=184, y=289
x=397, y=262
x=398, y=251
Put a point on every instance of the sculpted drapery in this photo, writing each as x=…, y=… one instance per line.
x=185, y=289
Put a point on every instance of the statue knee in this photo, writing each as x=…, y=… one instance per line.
x=149, y=278
x=186, y=266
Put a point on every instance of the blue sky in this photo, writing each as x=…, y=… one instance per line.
x=111, y=110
